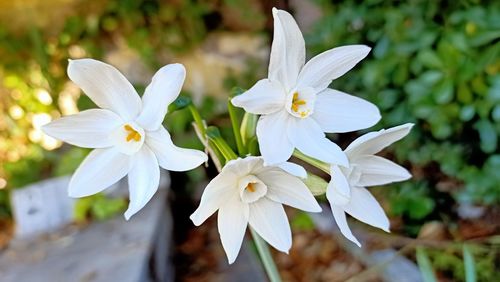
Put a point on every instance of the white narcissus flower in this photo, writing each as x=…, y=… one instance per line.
x=346, y=191
x=127, y=133
x=295, y=105
x=247, y=192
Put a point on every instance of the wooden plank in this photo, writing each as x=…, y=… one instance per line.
x=114, y=250
x=41, y=207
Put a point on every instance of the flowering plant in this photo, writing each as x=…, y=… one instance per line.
x=293, y=107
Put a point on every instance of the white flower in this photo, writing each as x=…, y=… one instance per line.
x=346, y=191
x=247, y=192
x=295, y=105
x=127, y=133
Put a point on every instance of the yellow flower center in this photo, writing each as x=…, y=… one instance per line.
x=296, y=103
x=132, y=134
x=250, y=187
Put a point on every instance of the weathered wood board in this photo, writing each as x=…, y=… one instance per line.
x=114, y=250
x=41, y=207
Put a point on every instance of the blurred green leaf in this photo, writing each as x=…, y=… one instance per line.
x=425, y=266
x=469, y=265
x=488, y=135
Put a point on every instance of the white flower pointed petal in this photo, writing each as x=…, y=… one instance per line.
x=374, y=142
x=106, y=86
x=265, y=97
x=307, y=136
x=143, y=180
x=329, y=65
x=365, y=208
x=100, y=169
x=273, y=139
x=338, y=112
x=268, y=219
x=243, y=166
x=376, y=170
x=218, y=191
x=289, y=190
x=163, y=90
x=171, y=157
x=338, y=191
x=232, y=223
x=341, y=220
x=293, y=169
x=87, y=129
x=287, y=50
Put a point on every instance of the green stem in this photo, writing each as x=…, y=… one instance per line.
x=236, y=129
x=198, y=120
x=319, y=164
x=213, y=135
x=265, y=257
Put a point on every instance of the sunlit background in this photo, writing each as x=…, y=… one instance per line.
x=433, y=63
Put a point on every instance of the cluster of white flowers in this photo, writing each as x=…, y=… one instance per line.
x=296, y=109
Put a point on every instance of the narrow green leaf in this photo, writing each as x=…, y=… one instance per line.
x=235, y=124
x=248, y=127
x=214, y=136
x=425, y=266
x=469, y=265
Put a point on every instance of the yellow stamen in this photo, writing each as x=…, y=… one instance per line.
x=296, y=103
x=250, y=187
x=132, y=134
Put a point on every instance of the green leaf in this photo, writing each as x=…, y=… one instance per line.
x=469, y=265
x=248, y=127
x=485, y=38
x=430, y=59
x=180, y=103
x=236, y=91
x=425, y=266
x=443, y=93
x=488, y=135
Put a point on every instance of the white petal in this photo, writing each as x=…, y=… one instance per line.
x=265, y=97
x=373, y=142
x=232, y=223
x=338, y=112
x=143, y=180
x=289, y=190
x=273, y=139
x=329, y=65
x=88, y=129
x=100, y=169
x=364, y=207
x=268, y=219
x=338, y=191
x=287, y=50
x=243, y=166
x=106, y=86
x=376, y=170
x=219, y=191
x=293, y=169
x=341, y=220
x=307, y=136
x=171, y=157
x=163, y=90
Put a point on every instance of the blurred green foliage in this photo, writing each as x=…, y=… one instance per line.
x=35, y=46
x=98, y=207
x=437, y=64
x=451, y=261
